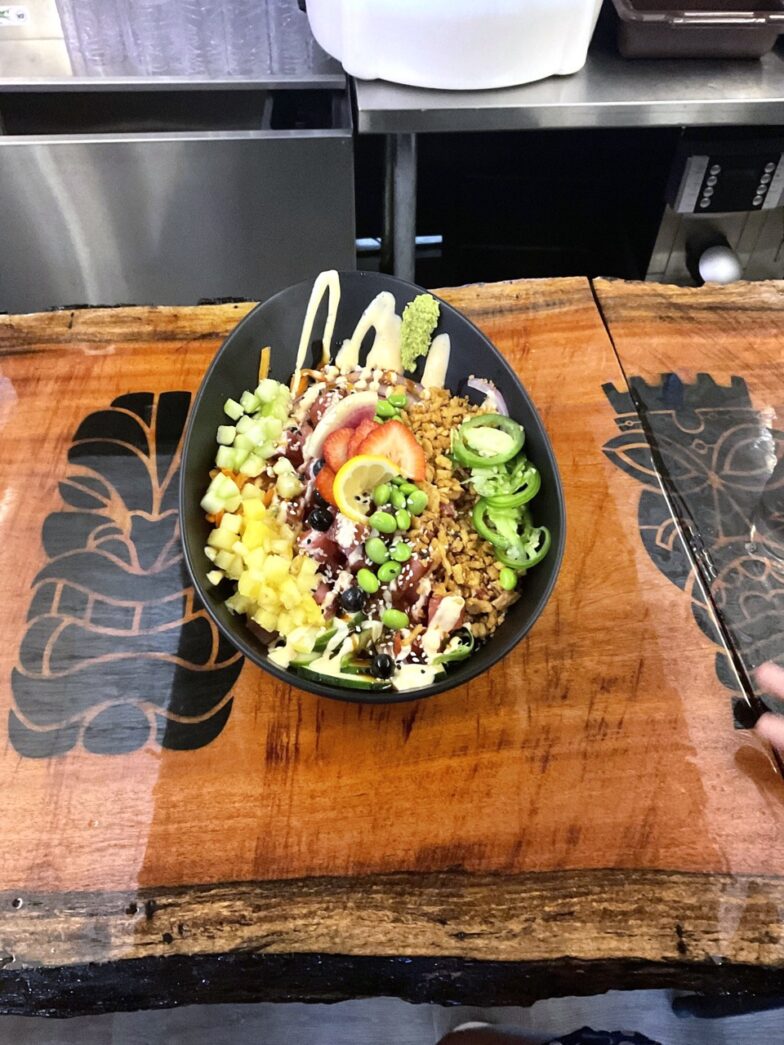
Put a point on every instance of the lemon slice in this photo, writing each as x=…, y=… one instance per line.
x=355, y=482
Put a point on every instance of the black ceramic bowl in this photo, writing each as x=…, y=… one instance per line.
x=277, y=323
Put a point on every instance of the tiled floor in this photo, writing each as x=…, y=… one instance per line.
x=386, y=1021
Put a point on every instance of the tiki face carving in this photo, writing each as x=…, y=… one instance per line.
x=718, y=455
x=118, y=652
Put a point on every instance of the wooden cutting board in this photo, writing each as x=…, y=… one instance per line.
x=177, y=826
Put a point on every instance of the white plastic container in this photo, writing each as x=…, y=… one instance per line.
x=455, y=44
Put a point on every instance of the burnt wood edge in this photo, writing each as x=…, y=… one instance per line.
x=449, y=937
x=54, y=329
x=157, y=983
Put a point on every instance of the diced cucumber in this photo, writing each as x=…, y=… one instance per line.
x=249, y=402
x=251, y=492
x=223, y=494
x=268, y=391
x=272, y=427
x=230, y=522
x=240, y=457
x=243, y=442
x=244, y=424
x=252, y=466
x=224, y=458
x=211, y=503
x=288, y=486
x=277, y=410
x=233, y=409
x=226, y=434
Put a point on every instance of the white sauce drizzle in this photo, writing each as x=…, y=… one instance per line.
x=412, y=676
x=325, y=281
x=380, y=316
x=437, y=362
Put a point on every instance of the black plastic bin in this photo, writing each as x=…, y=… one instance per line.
x=703, y=29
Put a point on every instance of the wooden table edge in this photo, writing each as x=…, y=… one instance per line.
x=476, y=939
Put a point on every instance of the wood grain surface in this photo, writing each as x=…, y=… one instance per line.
x=554, y=801
x=716, y=420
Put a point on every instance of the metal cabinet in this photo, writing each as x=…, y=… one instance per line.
x=172, y=216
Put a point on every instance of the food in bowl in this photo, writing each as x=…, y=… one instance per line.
x=373, y=530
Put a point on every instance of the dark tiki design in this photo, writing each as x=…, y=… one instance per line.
x=118, y=652
x=717, y=455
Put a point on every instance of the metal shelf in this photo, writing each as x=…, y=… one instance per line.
x=610, y=91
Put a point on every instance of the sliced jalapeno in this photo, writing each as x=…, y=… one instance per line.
x=472, y=458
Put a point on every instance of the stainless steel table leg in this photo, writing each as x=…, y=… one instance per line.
x=400, y=210
x=388, y=232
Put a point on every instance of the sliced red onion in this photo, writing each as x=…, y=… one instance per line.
x=491, y=393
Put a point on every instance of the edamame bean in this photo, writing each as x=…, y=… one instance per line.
x=398, y=498
x=401, y=552
x=368, y=581
x=376, y=550
x=407, y=488
x=384, y=522
x=403, y=519
x=381, y=494
x=385, y=409
x=398, y=480
x=394, y=619
x=398, y=399
x=389, y=571
x=417, y=502
x=507, y=578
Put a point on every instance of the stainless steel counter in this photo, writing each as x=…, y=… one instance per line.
x=334, y=79
x=609, y=92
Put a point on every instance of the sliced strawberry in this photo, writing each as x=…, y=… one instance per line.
x=363, y=429
x=324, y=483
x=395, y=441
x=336, y=447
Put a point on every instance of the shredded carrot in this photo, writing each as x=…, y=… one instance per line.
x=236, y=477
x=268, y=494
x=213, y=473
x=414, y=632
x=210, y=518
x=264, y=363
x=397, y=644
x=218, y=516
x=303, y=384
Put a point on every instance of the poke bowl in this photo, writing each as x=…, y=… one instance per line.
x=370, y=507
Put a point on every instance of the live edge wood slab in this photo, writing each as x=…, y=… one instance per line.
x=178, y=827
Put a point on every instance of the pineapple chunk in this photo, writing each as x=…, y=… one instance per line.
x=266, y=619
x=248, y=586
x=276, y=571
x=221, y=539
x=256, y=535
x=257, y=550
x=290, y=594
x=231, y=523
x=224, y=559
x=253, y=510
